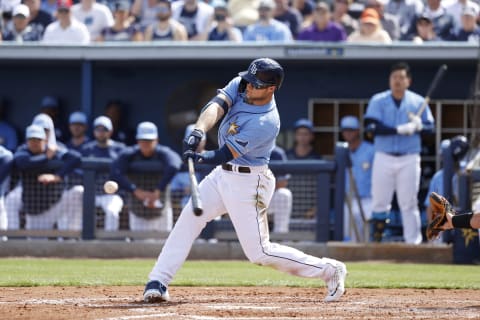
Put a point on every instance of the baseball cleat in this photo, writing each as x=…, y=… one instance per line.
x=155, y=292
x=336, y=284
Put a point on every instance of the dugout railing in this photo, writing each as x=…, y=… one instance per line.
x=325, y=223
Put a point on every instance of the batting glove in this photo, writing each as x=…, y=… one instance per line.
x=407, y=129
x=418, y=122
x=189, y=154
x=193, y=140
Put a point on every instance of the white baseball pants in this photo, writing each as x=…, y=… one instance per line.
x=245, y=196
x=400, y=174
x=111, y=204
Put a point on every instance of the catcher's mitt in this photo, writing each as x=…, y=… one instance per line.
x=440, y=207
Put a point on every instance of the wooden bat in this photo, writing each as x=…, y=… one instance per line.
x=196, y=201
x=433, y=85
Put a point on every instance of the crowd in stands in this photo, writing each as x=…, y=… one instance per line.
x=377, y=21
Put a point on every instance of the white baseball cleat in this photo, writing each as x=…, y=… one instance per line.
x=336, y=284
x=155, y=291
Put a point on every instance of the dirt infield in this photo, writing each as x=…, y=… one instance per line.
x=236, y=303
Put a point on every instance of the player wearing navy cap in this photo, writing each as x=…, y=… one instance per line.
x=241, y=184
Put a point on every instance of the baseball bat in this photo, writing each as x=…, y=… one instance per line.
x=196, y=201
x=433, y=85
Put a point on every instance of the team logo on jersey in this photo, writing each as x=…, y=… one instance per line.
x=233, y=128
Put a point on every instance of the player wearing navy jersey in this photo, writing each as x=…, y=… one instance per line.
x=148, y=198
x=104, y=147
x=241, y=184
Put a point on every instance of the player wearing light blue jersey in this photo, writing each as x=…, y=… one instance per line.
x=241, y=184
x=392, y=116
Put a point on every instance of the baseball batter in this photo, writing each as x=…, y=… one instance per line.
x=392, y=117
x=241, y=184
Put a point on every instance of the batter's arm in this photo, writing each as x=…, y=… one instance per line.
x=213, y=112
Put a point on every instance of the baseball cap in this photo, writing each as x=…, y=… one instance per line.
x=270, y=4
x=122, y=6
x=36, y=132
x=43, y=120
x=425, y=17
x=104, y=122
x=322, y=6
x=303, y=123
x=22, y=10
x=49, y=102
x=64, y=4
x=146, y=131
x=77, y=117
x=349, y=123
x=219, y=4
x=370, y=15
x=470, y=10
x=189, y=130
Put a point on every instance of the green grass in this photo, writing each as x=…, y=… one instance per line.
x=85, y=272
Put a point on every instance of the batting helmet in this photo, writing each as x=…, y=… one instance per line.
x=264, y=72
x=459, y=147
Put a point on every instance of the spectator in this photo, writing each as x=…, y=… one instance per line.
x=45, y=200
x=145, y=12
x=304, y=139
x=223, y=30
x=361, y=158
x=391, y=117
x=195, y=16
x=457, y=8
x=49, y=6
x=122, y=29
x=469, y=31
x=305, y=7
x=8, y=134
x=6, y=162
x=322, y=28
x=406, y=11
x=95, y=16
x=441, y=19
x=21, y=30
x=267, y=28
x=282, y=200
x=66, y=30
x=117, y=112
x=370, y=29
x=340, y=16
x=78, y=131
x=6, y=9
x=425, y=31
x=39, y=19
x=243, y=12
x=165, y=28
x=390, y=23
x=288, y=15
x=105, y=148
x=148, y=200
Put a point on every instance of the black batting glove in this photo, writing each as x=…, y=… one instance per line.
x=193, y=140
x=189, y=154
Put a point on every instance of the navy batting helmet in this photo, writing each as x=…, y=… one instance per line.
x=264, y=72
x=459, y=147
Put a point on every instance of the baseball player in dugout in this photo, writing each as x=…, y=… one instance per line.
x=147, y=199
x=394, y=119
x=241, y=184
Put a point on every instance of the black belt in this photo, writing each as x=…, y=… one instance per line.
x=229, y=167
x=396, y=154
